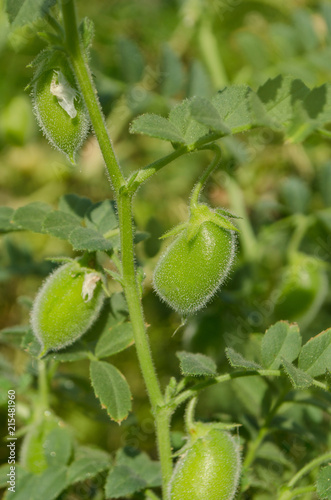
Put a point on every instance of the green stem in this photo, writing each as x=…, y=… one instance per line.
x=161, y=413
x=189, y=415
x=150, y=495
x=42, y=388
x=86, y=85
x=309, y=467
x=264, y=430
x=201, y=182
x=192, y=391
x=288, y=495
x=145, y=173
x=137, y=178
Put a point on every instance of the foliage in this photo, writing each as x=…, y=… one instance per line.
x=252, y=81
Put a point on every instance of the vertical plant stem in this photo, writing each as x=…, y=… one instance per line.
x=42, y=402
x=161, y=413
x=124, y=202
x=264, y=430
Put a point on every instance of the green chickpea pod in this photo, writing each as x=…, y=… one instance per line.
x=67, y=304
x=209, y=469
x=198, y=261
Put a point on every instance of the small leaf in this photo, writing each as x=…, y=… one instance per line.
x=75, y=205
x=323, y=484
x=60, y=224
x=32, y=216
x=196, y=364
x=22, y=12
x=87, y=239
x=280, y=340
x=238, y=109
x=238, y=361
x=190, y=130
x=315, y=355
x=114, y=340
x=158, y=127
x=140, y=463
x=86, y=32
x=13, y=334
x=6, y=223
x=57, y=447
x=268, y=451
x=112, y=389
x=204, y=112
x=50, y=483
x=299, y=379
x=174, y=231
x=279, y=96
x=122, y=481
x=86, y=468
x=140, y=236
x=102, y=217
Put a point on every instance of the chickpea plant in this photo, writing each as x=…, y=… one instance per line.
x=214, y=462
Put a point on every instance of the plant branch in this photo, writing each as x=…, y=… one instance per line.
x=139, y=177
x=309, y=467
x=201, y=182
x=192, y=391
x=288, y=495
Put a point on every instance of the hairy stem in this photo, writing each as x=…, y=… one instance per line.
x=161, y=413
x=201, y=182
x=43, y=385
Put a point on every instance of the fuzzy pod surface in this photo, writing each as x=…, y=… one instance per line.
x=190, y=271
x=210, y=469
x=66, y=305
x=60, y=111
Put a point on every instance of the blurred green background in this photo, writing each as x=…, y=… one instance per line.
x=147, y=56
